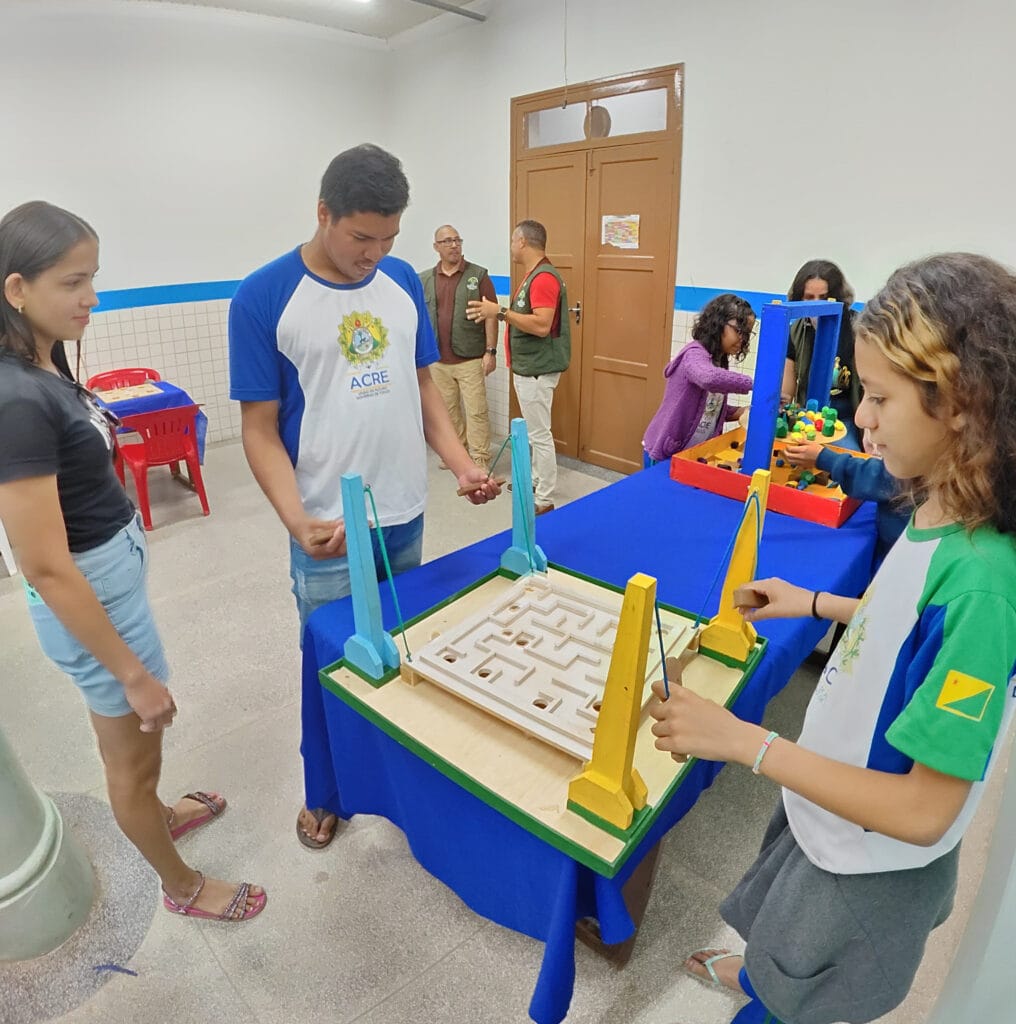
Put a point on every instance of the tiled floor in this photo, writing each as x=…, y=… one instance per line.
x=358, y=932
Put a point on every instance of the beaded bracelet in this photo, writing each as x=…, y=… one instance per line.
x=766, y=744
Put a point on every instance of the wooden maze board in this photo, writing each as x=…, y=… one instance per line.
x=538, y=658
x=522, y=777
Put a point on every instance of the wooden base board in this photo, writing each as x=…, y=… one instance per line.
x=522, y=777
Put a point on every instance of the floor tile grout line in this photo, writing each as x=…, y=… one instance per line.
x=417, y=977
x=218, y=963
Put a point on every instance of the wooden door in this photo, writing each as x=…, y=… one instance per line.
x=609, y=148
x=552, y=190
x=628, y=298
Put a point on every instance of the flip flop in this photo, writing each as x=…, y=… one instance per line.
x=188, y=909
x=214, y=810
x=713, y=981
x=319, y=813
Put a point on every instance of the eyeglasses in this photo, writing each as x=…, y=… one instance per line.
x=745, y=332
x=449, y=241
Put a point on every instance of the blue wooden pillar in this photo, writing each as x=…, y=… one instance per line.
x=774, y=335
x=370, y=649
x=524, y=556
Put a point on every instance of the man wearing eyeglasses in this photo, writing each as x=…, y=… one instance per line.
x=467, y=350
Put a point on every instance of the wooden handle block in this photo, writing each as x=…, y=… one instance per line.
x=746, y=597
x=469, y=488
x=675, y=670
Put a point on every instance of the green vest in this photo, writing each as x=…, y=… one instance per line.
x=533, y=356
x=469, y=339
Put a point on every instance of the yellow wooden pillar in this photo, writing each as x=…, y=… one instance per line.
x=609, y=787
x=727, y=633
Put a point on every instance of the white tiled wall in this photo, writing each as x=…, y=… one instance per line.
x=186, y=343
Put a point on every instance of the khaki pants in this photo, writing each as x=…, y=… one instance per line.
x=464, y=390
x=536, y=396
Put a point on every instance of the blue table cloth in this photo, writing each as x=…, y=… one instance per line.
x=645, y=523
x=169, y=397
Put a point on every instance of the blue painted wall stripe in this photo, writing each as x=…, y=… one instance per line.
x=166, y=295
x=687, y=298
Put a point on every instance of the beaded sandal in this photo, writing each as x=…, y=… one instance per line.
x=214, y=810
x=187, y=909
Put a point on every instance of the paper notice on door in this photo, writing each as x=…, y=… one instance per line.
x=620, y=230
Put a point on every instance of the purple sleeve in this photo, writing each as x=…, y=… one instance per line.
x=705, y=374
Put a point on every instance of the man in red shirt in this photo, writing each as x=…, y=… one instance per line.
x=539, y=347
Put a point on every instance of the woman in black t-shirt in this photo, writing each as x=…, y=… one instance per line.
x=82, y=550
x=815, y=281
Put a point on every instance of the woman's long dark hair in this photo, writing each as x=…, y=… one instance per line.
x=715, y=315
x=34, y=237
x=827, y=271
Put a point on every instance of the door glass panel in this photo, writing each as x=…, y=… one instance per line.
x=627, y=114
x=555, y=125
x=637, y=112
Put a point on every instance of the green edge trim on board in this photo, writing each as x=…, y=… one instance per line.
x=607, y=826
x=642, y=821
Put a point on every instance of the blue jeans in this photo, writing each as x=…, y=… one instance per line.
x=316, y=583
x=118, y=573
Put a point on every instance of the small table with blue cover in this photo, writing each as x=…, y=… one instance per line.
x=645, y=523
x=168, y=396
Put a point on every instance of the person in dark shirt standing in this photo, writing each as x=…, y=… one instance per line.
x=468, y=350
x=82, y=549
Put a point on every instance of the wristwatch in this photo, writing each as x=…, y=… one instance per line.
x=491, y=351
x=502, y=314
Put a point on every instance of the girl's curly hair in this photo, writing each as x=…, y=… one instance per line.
x=715, y=315
x=949, y=323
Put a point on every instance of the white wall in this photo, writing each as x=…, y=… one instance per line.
x=192, y=139
x=869, y=133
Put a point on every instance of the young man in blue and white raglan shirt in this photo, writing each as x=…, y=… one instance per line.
x=329, y=348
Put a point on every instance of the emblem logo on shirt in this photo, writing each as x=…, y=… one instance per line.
x=853, y=636
x=363, y=338
x=521, y=300
x=472, y=283
x=964, y=696
x=97, y=419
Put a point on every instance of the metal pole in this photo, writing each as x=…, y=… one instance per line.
x=46, y=881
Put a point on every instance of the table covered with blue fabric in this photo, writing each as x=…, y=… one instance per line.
x=169, y=397
x=645, y=523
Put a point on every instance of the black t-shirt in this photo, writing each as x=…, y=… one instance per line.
x=50, y=425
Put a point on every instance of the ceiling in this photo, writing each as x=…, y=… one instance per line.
x=380, y=19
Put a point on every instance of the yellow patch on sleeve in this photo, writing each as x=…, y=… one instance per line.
x=965, y=696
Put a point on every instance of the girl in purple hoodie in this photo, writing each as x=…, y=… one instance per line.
x=695, y=404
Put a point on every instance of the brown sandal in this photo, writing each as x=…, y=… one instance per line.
x=319, y=814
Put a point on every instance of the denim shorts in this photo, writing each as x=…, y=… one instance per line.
x=316, y=583
x=118, y=572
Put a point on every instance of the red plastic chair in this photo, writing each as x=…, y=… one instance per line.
x=168, y=437
x=124, y=378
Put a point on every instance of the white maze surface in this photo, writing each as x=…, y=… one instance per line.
x=538, y=658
